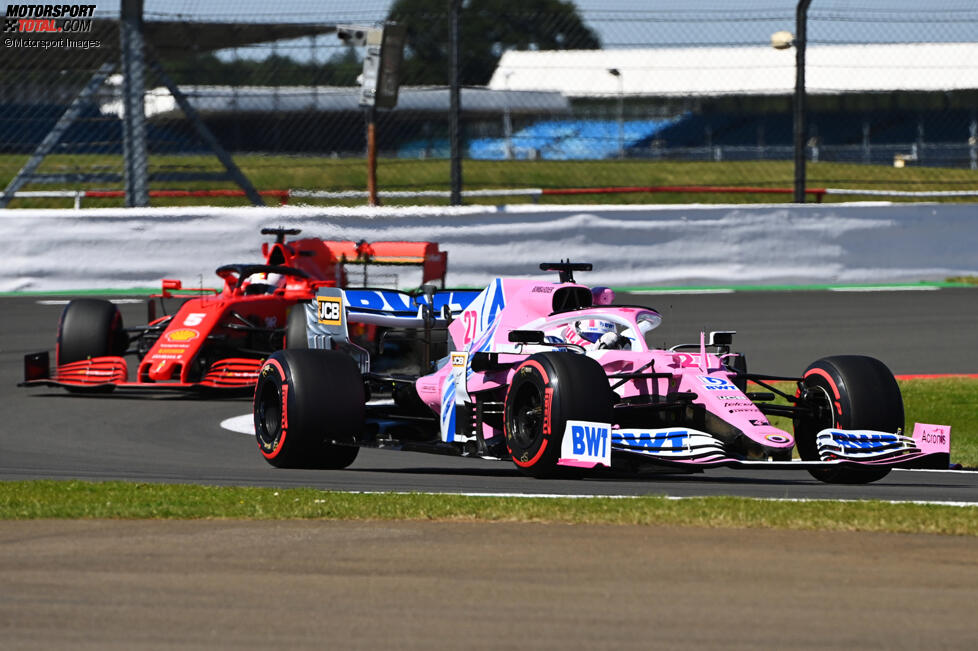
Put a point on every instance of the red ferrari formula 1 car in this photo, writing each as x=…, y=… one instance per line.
x=218, y=338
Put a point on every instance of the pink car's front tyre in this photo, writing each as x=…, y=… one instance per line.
x=848, y=392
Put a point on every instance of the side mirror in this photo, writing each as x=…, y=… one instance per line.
x=526, y=336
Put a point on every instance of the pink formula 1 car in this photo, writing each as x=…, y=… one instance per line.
x=217, y=339
x=556, y=378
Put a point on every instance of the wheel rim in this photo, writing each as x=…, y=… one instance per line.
x=825, y=412
x=269, y=415
x=527, y=415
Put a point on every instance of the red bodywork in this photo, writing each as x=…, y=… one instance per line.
x=219, y=338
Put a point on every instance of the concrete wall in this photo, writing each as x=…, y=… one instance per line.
x=53, y=250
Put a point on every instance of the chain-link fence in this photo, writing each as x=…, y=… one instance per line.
x=558, y=103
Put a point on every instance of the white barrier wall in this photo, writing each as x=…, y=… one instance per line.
x=54, y=250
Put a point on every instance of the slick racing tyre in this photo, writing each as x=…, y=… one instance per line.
x=849, y=392
x=548, y=390
x=90, y=327
x=309, y=407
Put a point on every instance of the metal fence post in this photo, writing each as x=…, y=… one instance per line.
x=134, y=119
x=455, y=105
x=801, y=36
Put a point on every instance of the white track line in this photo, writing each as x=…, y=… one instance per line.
x=664, y=497
x=117, y=301
x=886, y=288
x=680, y=291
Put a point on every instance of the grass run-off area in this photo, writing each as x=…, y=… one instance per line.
x=118, y=500
x=342, y=174
x=936, y=401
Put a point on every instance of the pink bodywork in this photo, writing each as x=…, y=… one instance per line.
x=484, y=327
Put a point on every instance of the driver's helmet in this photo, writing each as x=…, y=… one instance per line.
x=262, y=283
x=593, y=329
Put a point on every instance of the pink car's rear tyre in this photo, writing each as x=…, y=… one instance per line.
x=308, y=409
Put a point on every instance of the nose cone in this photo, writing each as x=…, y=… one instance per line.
x=164, y=370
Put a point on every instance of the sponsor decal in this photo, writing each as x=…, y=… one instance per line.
x=711, y=383
x=548, y=400
x=655, y=440
x=777, y=438
x=183, y=334
x=862, y=441
x=932, y=438
x=459, y=364
x=585, y=444
x=542, y=289
x=459, y=359
x=330, y=310
x=394, y=301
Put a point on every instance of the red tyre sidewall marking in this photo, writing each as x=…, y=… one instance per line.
x=548, y=393
x=285, y=410
x=835, y=389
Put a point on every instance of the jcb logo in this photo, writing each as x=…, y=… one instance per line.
x=330, y=310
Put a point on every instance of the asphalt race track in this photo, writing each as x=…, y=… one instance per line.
x=48, y=433
x=227, y=584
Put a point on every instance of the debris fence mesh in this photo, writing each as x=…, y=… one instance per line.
x=553, y=96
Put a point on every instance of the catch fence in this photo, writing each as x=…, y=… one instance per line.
x=566, y=100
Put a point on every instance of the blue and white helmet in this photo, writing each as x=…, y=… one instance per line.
x=593, y=329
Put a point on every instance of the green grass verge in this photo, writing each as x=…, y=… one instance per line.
x=324, y=173
x=118, y=500
x=937, y=401
x=963, y=280
x=946, y=401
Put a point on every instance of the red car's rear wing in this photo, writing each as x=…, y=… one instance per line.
x=433, y=263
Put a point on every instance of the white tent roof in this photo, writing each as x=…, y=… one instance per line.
x=830, y=69
x=211, y=100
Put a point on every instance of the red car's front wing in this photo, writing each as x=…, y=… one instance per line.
x=112, y=372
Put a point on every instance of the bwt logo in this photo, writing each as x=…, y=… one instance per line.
x=589, y=441
x=850, y=441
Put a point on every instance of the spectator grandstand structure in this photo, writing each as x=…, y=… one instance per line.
x=867, y=102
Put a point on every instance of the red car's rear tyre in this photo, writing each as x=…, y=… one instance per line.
x=308, y=409
x=548, y=390
x=296, y=335
x=849, y=392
